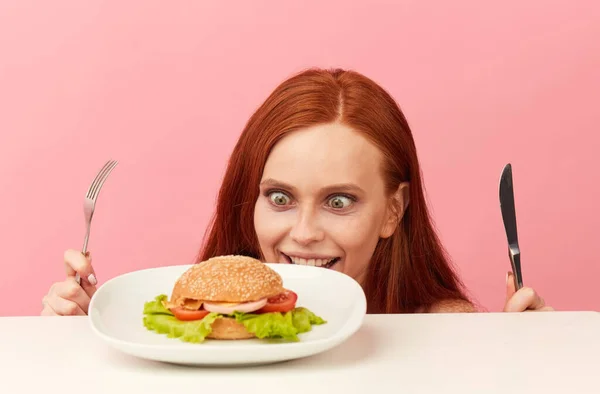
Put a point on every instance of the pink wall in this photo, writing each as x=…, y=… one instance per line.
x=166, y=89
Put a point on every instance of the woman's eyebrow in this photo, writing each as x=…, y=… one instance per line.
x=278, y=184
x=339, y=187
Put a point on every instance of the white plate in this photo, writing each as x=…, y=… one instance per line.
x=116, y=312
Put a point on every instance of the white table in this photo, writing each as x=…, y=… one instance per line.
x=445, y=353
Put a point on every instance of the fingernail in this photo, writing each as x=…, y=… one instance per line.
x=92, y=279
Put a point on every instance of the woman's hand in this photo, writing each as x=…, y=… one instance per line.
x=526, y=299
x=68, y=298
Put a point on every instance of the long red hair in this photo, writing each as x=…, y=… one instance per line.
x=409, y=270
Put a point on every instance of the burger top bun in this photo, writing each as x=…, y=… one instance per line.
x=234, y=279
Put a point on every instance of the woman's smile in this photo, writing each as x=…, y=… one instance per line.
x=313, y=260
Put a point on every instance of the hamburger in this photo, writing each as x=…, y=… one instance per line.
x=229, y=298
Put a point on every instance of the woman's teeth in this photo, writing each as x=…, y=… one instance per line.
x=312, y=262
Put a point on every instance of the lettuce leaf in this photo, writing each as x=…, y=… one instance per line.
x=279, y=325
x=160, y=319
x=273, y=325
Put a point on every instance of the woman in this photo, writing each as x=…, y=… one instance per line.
x=326, y=173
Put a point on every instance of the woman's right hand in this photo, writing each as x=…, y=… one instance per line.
x=67, y=298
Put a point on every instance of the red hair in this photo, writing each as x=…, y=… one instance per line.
x=409, y=270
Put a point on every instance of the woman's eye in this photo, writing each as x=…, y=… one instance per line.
x=340, y=202
x=279, y=198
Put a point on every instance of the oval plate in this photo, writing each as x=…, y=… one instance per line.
x=116, y=312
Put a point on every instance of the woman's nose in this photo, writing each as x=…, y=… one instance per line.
x=306, y=229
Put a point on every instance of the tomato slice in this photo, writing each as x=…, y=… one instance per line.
x=187, y=315
x=283, y=302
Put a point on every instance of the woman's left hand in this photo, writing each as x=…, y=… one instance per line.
x=526, y=299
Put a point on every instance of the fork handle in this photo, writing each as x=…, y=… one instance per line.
x=84, y=250
x=85, y=240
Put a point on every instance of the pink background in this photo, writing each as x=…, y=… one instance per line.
x=166, y=88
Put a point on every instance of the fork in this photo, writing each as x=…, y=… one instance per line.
x=89, y=204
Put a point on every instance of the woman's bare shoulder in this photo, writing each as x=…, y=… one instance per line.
x=452, y=306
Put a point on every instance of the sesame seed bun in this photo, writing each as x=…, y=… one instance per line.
x=227, y=279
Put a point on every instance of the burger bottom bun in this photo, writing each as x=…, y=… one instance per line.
x=228, y=328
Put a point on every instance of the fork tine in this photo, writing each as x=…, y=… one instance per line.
x=102, y=179
x=99, y=178
x=98, y=175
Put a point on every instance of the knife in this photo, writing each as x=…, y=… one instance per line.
x=507, y=206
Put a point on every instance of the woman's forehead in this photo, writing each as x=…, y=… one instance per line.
x=325, y=154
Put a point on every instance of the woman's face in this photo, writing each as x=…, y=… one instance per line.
x=322, y=201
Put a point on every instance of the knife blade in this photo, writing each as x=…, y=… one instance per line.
x=509, y=217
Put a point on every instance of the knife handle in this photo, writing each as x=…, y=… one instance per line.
x=515, y=261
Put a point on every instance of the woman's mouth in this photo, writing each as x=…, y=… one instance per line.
x=314, y=262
